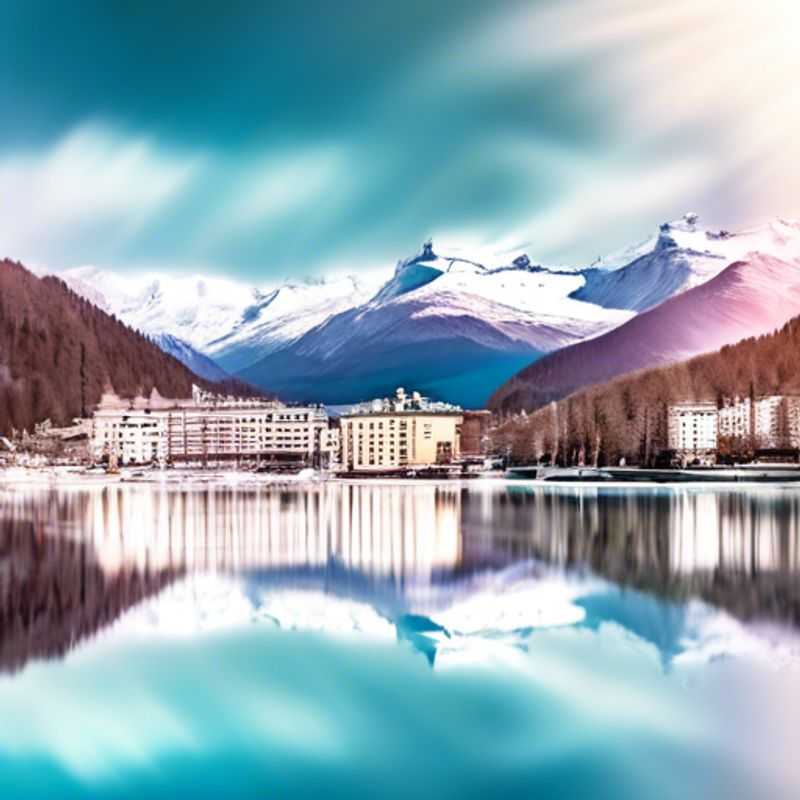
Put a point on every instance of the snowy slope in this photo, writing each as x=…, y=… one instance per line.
x=197, y=362
x=284, y=316
x=682, y=255
x=448, y=326
x=748, y=298
x=455, y=324
x=233, y=323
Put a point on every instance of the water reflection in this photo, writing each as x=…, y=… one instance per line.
x=735, y=549
x=73, y=560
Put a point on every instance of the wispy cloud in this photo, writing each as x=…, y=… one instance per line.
x=94, y=182
x=566, y=129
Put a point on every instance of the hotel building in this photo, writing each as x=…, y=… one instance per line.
x=770, y=422
x=213, y=429
x=404, y=432
x=735, y=419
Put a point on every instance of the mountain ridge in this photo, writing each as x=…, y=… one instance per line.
x=747, y=298
x=507, y=305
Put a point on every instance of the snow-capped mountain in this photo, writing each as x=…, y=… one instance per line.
x=230, y=322
x=198, y=363
x=680, y=256
x=284, y=315
x=455, y=326
x=449, y=326
x=748, y=298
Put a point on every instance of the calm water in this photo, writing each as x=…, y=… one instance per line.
x=341, y=640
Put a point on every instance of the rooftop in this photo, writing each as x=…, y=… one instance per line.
x=402, y=403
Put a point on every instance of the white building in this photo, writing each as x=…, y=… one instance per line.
x=213, y=429
x=693, y=427
x=735, y=419
x=771, y=421
x=768, y=422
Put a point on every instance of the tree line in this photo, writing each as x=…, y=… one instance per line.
x=59, y=353
x=627, y=418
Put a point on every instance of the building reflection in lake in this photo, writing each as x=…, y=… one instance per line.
x=739, y=550
x=73, y=560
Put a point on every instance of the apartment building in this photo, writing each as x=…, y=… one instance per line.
x=213, y=429
x=767, y=422
x=693, y=427
x=735, y=419
x=771, y=421
x=402, y=432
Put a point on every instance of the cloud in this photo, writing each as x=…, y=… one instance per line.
x=93, y=181
x=567, y=129
x=274, y=186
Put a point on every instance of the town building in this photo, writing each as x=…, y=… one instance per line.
x=735, y=419
x=212, y=429
x=693, y=428
x=772, y=421
x=769, y=422
x=403, y=432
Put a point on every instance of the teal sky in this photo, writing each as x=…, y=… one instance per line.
x=265, y=140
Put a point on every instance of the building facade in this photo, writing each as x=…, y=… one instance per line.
x=214, y=430
x=770, y=422
x=404, y=432
x=693, y=428
x=735, y=419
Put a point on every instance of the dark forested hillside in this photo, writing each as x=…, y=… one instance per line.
x=58, y=353
x=628, y=416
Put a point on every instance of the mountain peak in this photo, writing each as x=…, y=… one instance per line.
x=426, y=255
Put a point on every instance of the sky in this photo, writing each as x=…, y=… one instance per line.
x=264, y=140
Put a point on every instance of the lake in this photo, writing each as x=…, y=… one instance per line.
x=399, y=640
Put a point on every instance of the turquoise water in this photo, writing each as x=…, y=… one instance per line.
x=398, y=641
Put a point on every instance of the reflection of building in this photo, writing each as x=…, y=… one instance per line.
x=209, y=428
x=738, y=550
x=692, y=427
x=399, y=533
x=406, y=431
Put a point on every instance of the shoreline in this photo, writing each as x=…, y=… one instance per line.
x=64, y=477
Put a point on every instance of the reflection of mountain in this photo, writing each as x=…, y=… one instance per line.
x=736, y=550
x=72, y=562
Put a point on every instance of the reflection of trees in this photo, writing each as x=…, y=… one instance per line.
x=71, y=562
x=53, y=593
x=737, y=550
